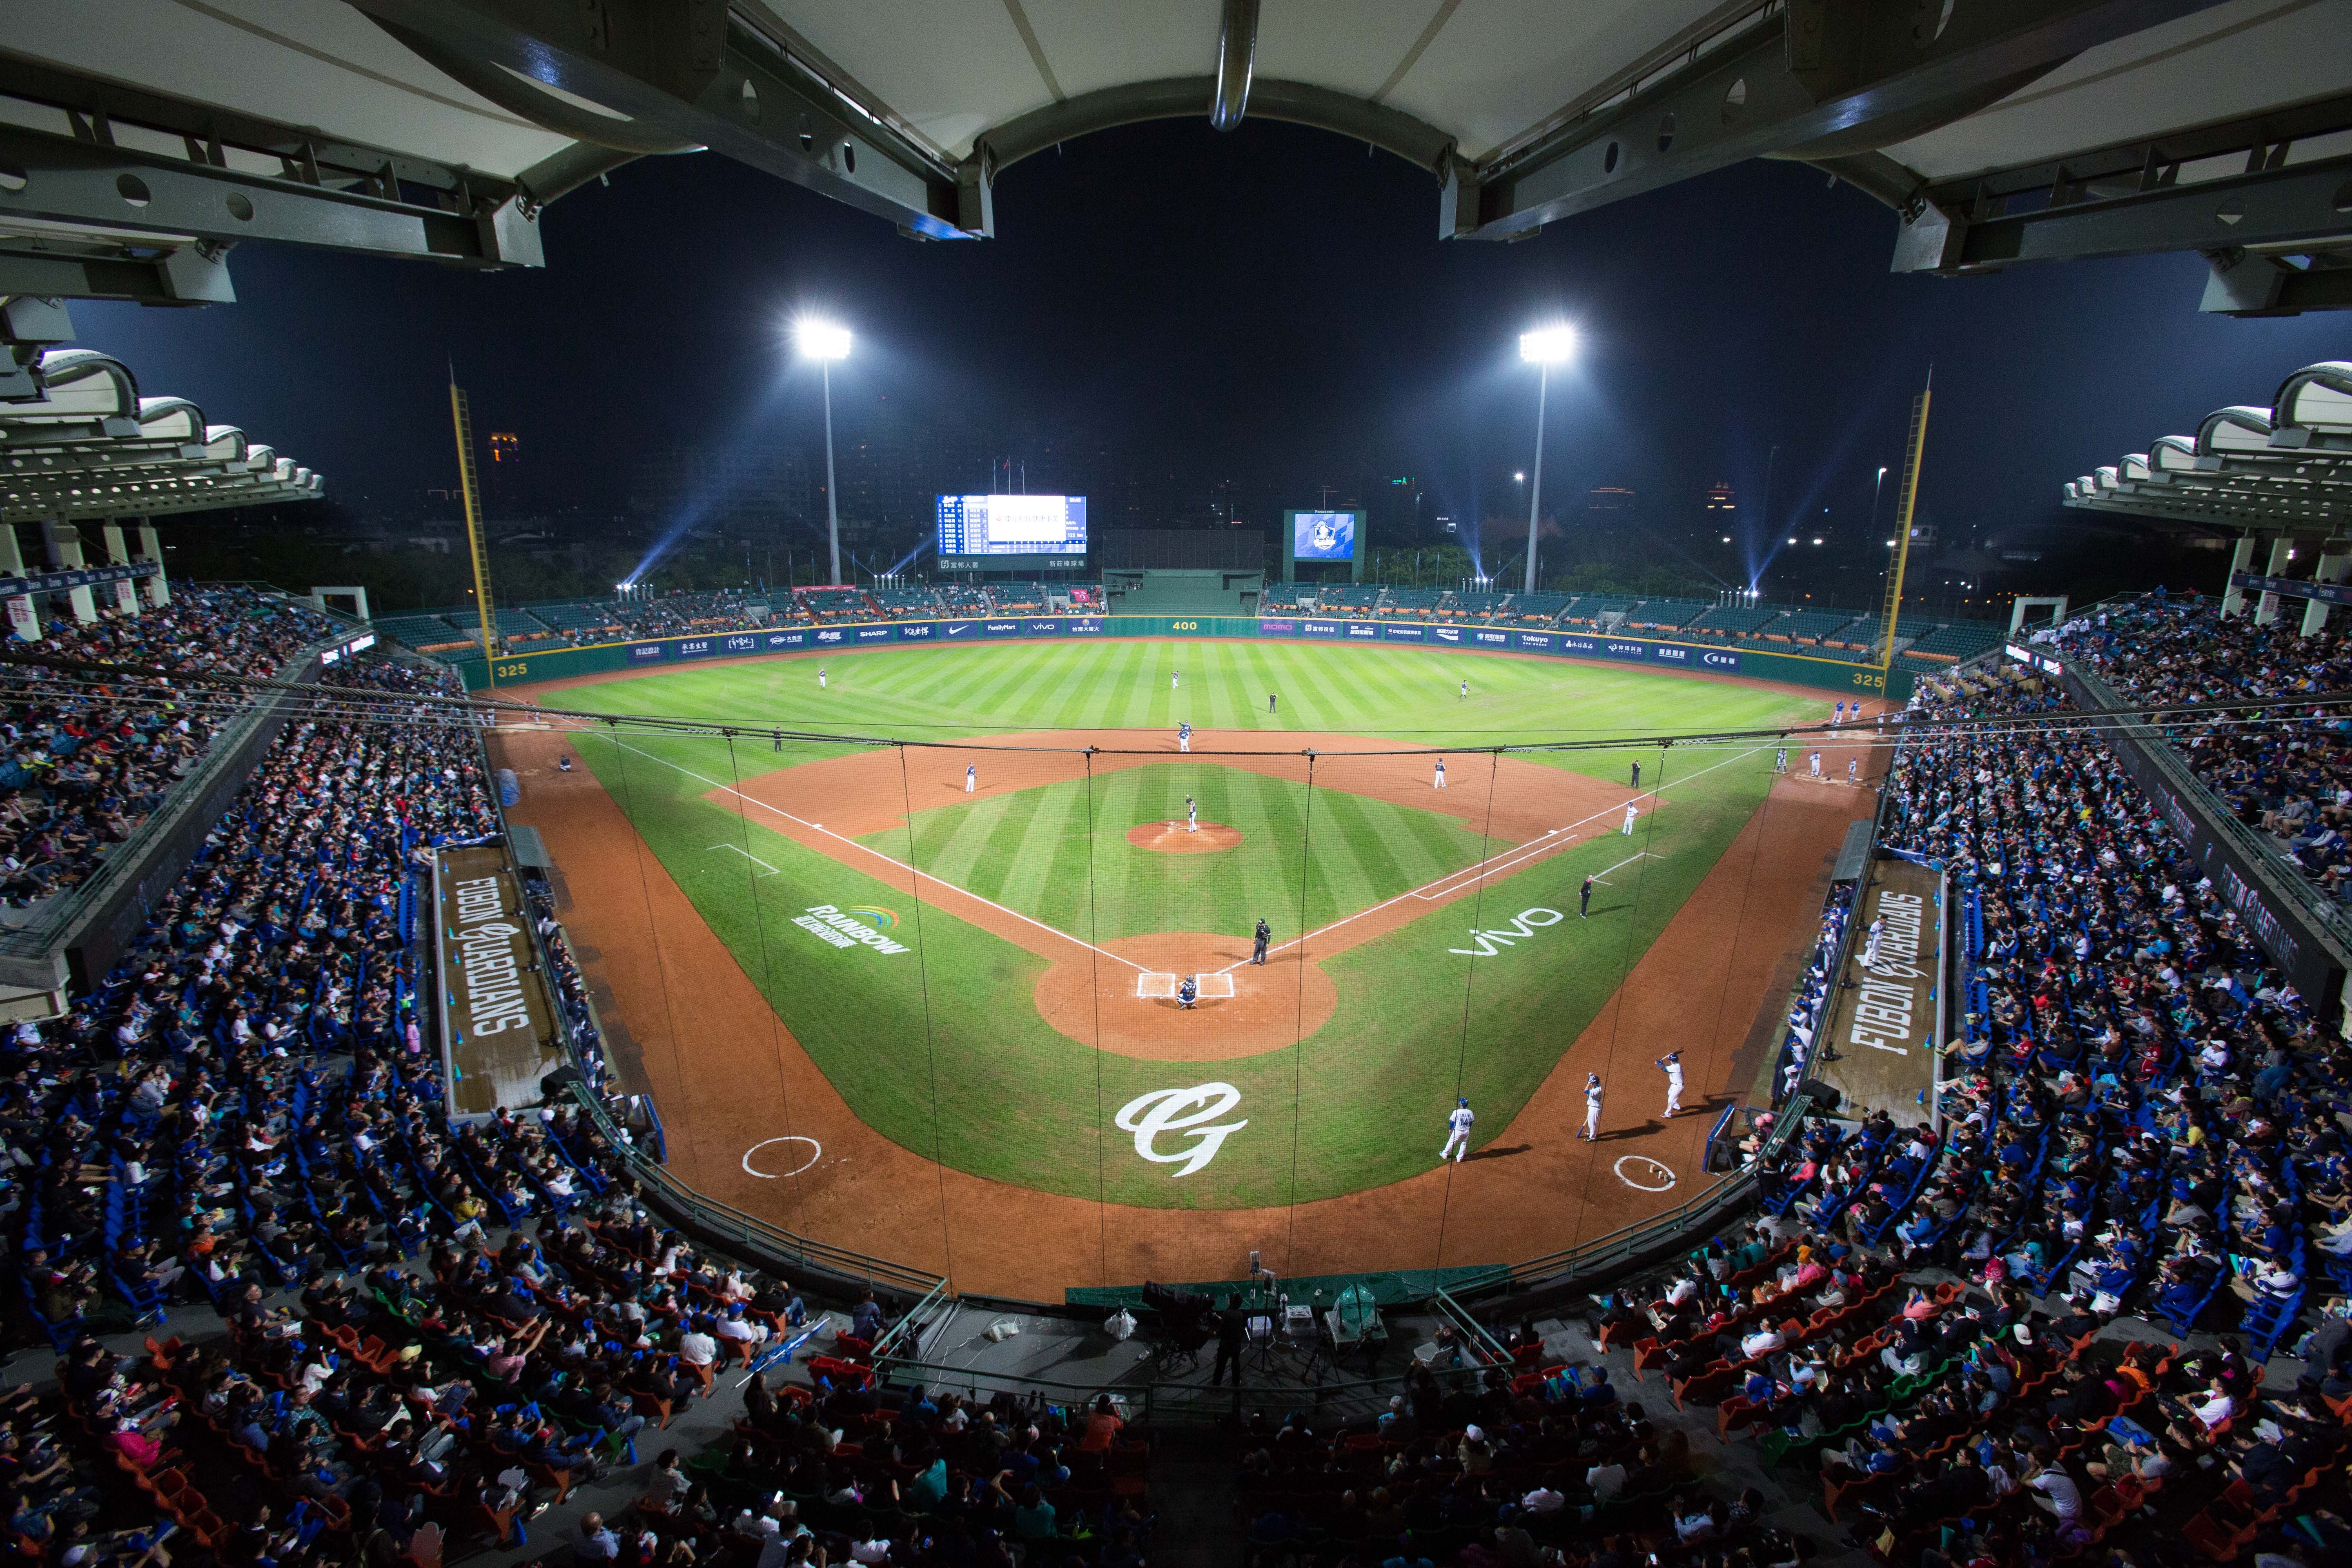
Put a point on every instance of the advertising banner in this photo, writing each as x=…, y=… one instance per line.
x=1369, y=631
x=694, y=648
x=640, y=652
x=498, y=1030
x=1532, y=642
x=1489, y=637
x=884, y=633
x=1040, y=628
x=1085, y=625
x=1394, y=631
x=1277, y=628
x=918, y=631
x=1618, y=648
x=777, y=642
x=1322, y=628
x=1719, y=659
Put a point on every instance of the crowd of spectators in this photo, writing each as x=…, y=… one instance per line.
x=90, y=757
x=2287, y=773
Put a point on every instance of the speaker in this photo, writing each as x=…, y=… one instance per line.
x=1825, y=1100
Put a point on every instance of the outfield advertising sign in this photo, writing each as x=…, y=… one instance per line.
x=1795, y=668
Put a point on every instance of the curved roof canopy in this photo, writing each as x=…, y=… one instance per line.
x=91, y=449
x=2287, y=466
x=2003, y=131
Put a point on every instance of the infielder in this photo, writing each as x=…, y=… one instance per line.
x=1673, y=1064
x=1780, y=761
x=1816, y=760
x=1584, y=900
x=1458, y=1137
x=971, y=777
x=1592, y=1133
x=1854, y=770
x=1632, y=811
x=1183, y=737
x=1258, y=942
x=1440, y=772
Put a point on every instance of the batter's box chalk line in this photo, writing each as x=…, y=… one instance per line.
x=1150, y=986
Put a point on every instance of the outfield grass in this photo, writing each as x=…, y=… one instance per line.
x=941, y=1049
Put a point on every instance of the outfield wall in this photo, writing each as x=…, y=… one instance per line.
x=1710, y=659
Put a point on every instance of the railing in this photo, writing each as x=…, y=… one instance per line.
x=1165, y=1403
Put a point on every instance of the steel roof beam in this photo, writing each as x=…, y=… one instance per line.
x=1818, y=80
x=685, y=71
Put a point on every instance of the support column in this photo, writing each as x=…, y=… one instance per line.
x=2267, y=607
x=2335, y=565
x=63, y=544
x=159, y=592
x=2241, y=556
x=118, y=554
x=24, y=617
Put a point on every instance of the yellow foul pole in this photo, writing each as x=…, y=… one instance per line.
x=469, y=486
x=1907, y=495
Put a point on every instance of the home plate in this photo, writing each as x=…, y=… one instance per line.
x=1150, y=986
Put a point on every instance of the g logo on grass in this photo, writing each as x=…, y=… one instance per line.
x=1149, y=1115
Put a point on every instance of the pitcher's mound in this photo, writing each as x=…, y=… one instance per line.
x=1172, y=838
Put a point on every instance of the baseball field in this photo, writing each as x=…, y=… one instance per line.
x=985, y=978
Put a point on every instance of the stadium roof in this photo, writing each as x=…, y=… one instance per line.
x=140, y=138
x=2285, y=468
x=91, y=449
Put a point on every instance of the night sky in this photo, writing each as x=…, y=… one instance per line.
x=1270, y=305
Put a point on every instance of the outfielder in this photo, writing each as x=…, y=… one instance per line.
x=1632, y=811
x=1183, y=737
x=1673, y=1064
x=971, y=777
x=1458, y=1137
x=1465, y=688
x=1258, y=942
x=1175, y=681
x=820, y=677
x=1440, y=772
x=1592, y=1133
x=1192, y=816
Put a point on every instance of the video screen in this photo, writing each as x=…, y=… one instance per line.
x=1013, y=525
x=1323, y=535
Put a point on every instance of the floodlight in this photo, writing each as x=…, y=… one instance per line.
x=1520, y=478
x=821, y=339
x=1548, y=345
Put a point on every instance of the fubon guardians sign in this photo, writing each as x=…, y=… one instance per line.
x=497, y=1029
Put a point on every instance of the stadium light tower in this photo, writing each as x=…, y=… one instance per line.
x=1546, y=346
x=826, y=342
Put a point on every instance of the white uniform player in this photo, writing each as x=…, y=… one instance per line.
x=1854, y=770
x=1870, y=945
x=1591, y=1133
x=820, y=677
x=1192, y=816
x=1816, y=761
x=971, y=777
x=1632, y=812
x=1465, y=690
x=1175, y=681
x=1780, y=761
x=1440, y=772
x=1673, y=1063
x=1457, y=1134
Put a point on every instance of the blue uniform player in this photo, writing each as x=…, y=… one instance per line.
x=1183, y=737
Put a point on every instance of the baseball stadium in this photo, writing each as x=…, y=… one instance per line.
x=876, y=1007
x=989, y=826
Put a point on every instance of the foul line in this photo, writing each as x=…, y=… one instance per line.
x=1602, y=876
x=1504, y=865
x=862, y=849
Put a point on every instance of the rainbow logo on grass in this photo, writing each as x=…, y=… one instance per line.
x=873, y=915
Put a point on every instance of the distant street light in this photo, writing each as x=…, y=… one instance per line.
x=826, y=342
x=1546, y=346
